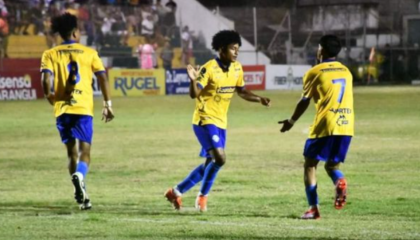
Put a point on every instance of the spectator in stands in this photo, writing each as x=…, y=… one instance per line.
x=160, y=10
x=69, y=8
x=147, y=26
x=84, y=18
x=167, y=55
x=170, y=19
x=119, y=28
x=12, y=10
x=37, y=19
x=146, y=55
x=133, y=21
x=172, y=5
x=49, y=35
x=187, y=45
x=386, y=64
x=4, y=35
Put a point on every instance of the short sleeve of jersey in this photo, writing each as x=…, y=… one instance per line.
x=46, y=63
x=203, y=76
x=97, y=65
x=308, y=82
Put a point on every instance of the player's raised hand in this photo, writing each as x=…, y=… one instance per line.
x=286, y=125
x=107, y=114
x=265, y=101
x=193, y=72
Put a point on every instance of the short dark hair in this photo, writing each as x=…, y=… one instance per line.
x=64, y=25
x=224, y=38
x=331, y=45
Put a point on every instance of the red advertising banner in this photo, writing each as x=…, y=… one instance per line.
x=20, y=85
x=254, y=77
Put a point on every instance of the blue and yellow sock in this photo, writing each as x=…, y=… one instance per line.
x=195, y=177
x=335, y=175
x=312, y=195
x=82, y=168
x=209, y=176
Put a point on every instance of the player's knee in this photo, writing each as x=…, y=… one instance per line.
x=220, y=160
x=330, y=167
x=310, y=163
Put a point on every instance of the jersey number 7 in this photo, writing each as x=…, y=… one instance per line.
x=342, y=82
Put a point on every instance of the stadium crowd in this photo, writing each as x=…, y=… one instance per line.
x=105, y=23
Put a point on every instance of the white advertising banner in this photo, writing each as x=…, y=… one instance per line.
x=285, y=77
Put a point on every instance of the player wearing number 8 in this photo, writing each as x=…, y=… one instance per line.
x=72, y=65
x=330, y=85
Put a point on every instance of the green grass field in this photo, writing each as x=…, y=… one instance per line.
x=259, y=194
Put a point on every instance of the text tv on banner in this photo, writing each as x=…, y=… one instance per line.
x=177, y=81
x=20, y=85
x=137, y=82
x=254, y=77
x=287, y=77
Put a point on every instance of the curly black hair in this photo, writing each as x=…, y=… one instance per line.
x=331, y=45
x=64, y=25
x=225, y=37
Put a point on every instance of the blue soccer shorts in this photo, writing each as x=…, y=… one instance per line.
x=210, y=137
x=73, y=126
x=330, y=148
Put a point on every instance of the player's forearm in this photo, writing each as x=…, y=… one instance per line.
x=46, y=85
x=300, y=109
x=104, y=84
x=249, y=96
x=194, y=90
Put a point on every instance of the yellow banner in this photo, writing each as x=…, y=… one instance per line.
x=137, y=82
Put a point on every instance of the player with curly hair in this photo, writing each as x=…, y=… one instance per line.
x=212, y=86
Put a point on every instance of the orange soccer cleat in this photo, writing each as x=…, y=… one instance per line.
x=312, y=213
x=340, y=193
x=201, y=203
x=173, y=198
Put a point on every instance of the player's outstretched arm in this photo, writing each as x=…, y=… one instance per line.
x=299, y=110
x=46, y=86
x=249, y=96
x=107, y=112
x=193, y=75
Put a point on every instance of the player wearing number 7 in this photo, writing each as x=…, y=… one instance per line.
x=330, y=85
x=72, y=66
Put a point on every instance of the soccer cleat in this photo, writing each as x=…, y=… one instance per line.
x=173, y=198
x=201, y=203
x=312, y=213
x=79, y=188
x=86, y=205
x=340, y=193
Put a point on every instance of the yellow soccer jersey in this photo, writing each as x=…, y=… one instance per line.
x=72, y=66
x=217, y=87
x=330, y=84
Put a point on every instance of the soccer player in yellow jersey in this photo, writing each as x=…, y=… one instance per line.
x=212, y=86
x=72, y=65
x=330, y=85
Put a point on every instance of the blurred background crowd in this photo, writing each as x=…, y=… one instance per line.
x=380, y=37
